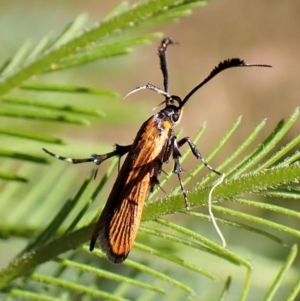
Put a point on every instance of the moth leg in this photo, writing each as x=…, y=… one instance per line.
x=120, y=150
x=155, y=182
x=154, y=177
x=196, y=153
x=178, y=169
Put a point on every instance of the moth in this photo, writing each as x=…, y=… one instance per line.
x=154, y=145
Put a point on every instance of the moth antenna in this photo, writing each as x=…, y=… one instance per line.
x=162, y=49
x=230, y=63
x=149, y=87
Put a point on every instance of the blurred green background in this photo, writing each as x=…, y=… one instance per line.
x=256, y=31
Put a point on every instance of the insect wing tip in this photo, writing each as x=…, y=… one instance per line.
x=111, y=256
x=92, y=245
x=116, y=259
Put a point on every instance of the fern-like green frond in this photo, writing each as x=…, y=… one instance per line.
x=47, y=221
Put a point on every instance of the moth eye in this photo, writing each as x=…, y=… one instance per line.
x=175, y=117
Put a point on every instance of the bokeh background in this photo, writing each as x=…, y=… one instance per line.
x=258, y=31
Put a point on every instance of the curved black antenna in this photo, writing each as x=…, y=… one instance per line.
x=230, y=63
x=162, y=49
